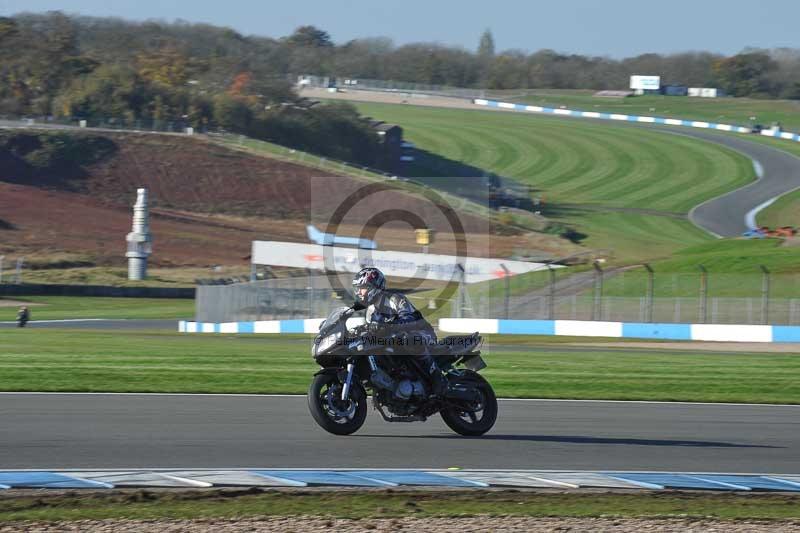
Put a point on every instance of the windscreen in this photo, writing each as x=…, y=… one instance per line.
x=333, y=317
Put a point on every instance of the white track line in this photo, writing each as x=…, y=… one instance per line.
x=750, y=217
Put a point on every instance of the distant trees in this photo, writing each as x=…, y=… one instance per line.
x=114, y=71
x=312, y=129
x=486, y=45
x=113, y=91
x=202, y=75
x=37, y=61
x=167, y=66
x=745, y=74
x=310, y=36
x=485, y=55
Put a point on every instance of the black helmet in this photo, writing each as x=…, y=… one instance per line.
x=373, y=279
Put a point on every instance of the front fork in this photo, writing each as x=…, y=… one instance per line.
x=347, y=382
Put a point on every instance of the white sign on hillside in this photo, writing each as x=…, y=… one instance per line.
x=397, y=264
x=646, y=83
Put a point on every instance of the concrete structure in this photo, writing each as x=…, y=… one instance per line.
x=139, y=239
x=704, y=92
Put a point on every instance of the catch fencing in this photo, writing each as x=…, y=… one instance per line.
x=618, y=295
x=273, y=299
x=640, y=295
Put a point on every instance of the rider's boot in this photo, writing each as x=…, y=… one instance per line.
x=437, y=377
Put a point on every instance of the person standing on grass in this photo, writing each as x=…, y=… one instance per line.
x=23, y=316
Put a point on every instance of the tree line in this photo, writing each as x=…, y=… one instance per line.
x=114, y=71
x=208, y=76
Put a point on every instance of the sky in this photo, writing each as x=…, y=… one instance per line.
x=614, y=28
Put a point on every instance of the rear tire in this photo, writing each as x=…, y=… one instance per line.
x=328, y=410
x=479, y=417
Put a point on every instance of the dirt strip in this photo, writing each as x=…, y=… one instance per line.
x=14, y=303
x=440, y=525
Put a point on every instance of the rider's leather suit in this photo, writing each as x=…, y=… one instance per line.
x=397, y=313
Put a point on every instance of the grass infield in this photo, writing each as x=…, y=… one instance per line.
x=573, y=161
x=623, y=189
x=538, y=367
x=200, y=504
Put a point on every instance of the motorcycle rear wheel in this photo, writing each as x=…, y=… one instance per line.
x=464, y=420
x=328, y=410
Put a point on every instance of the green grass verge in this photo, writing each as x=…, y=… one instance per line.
x=784, y=212
x=118, y=276
x=631, y=237
x=144, y=505
x=65, y=307
x=721, y=110
x=121, y=361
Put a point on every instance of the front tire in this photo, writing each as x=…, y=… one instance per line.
x=478, y=417
x=330, y=412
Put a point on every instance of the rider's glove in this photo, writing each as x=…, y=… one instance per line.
x=375, y=327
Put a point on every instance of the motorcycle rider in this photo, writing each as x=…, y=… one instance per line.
x=23, y=316
x=390, y=310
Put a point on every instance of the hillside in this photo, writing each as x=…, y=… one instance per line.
x=620, y=189
x=209, y=202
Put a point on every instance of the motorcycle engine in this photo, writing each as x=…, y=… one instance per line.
x=402, y=386
x=407, y=388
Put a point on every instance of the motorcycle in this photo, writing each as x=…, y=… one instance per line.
x=354, y=362
x=22, y=319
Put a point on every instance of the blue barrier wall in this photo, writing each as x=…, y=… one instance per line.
x=634, y=330
x=587, y=328
x=634, y=118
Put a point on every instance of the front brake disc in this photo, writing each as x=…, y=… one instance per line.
x=333, y=400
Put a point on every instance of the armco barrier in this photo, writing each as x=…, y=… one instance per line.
x=634, y=118
x=580, y=328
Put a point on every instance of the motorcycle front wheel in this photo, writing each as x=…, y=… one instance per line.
x=330, y=412
x=474, y=418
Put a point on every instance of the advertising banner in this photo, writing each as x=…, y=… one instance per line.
x=397, y=264
x=646, y=83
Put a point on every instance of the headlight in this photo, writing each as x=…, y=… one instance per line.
x=328, y=342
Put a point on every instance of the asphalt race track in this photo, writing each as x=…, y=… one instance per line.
x=101, y=431
x=725, y=215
